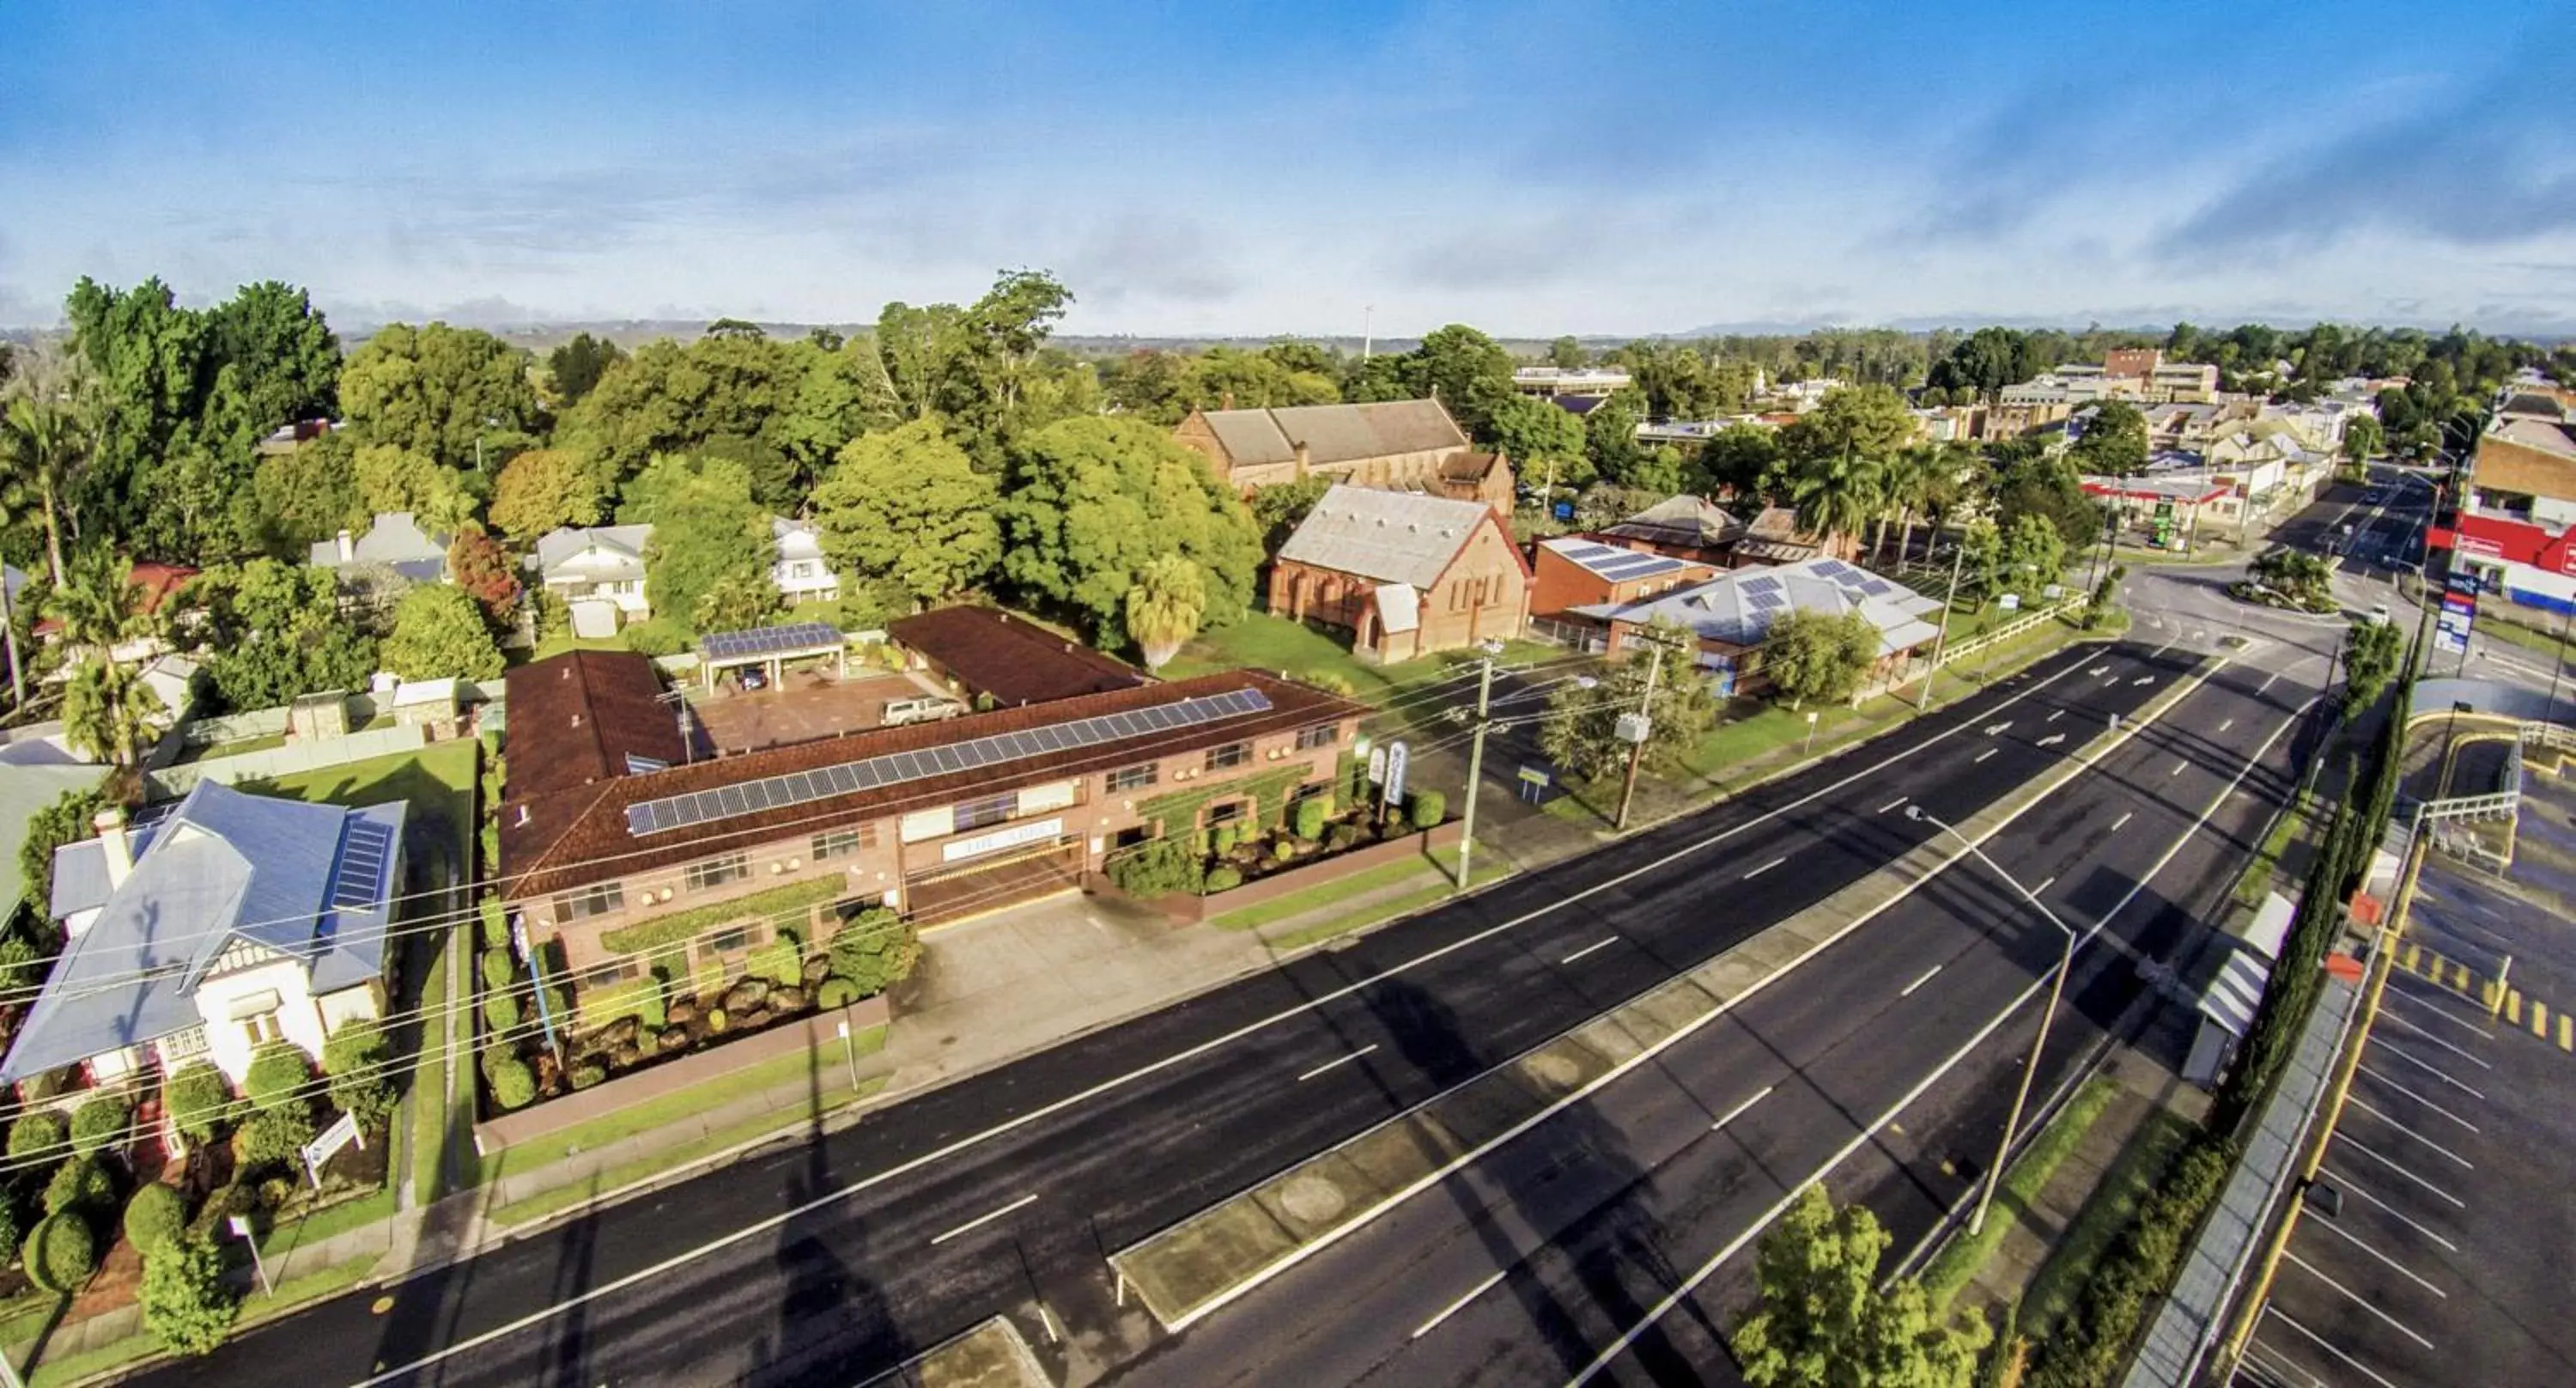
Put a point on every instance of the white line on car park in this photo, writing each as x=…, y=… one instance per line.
x=2411, y=1094
x=2320, y=1342
x=2434, y=1071
x=1738, y=1111
x=2431, y=1004
x=1892, y=804
x=2348, y=1186
x=2472, y=1058
x=2115, y=824
x=2359, y=1300
x=1460, y=1304
x=2381, y=1114
x=2402, y=1270
x=2355, y=1144
x=1337, y=1063
x=1981, y=756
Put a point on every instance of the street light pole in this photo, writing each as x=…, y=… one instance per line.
x=1475, y=769
x=1637, y=749
x=2056, y=990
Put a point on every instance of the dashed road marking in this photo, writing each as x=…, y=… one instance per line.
x=1587, y=949
x=1766, y=867
x=1338, y=1063
x=981, y=1220
x=1926, y=978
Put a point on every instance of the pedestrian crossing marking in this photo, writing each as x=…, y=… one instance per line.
x=2518, y=1012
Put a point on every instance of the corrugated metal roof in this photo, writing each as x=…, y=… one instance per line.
x=1738, y=608
x=1335, y=433
x=1393, y=537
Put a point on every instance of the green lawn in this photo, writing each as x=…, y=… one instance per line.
x=2256, y=883
x=322, y=1224
x=2060, y=1281
x=2542, y=643
x=291, y=1296
x=1959, y=1260
x=564, y=641
x=1484, y=872
x=1263, y=642
x=1317, y=897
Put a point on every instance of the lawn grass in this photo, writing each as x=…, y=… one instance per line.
x=1263, y=642
x=566, y=1196
x=2545, y=643
x=1387, y=910
x=1320, y=896
x=2256, y=883
x=827, y=1062
x=2060, y=1281
x=1960, y=1259
x=260, y=1306
x=323, y=1223
x=563, y=641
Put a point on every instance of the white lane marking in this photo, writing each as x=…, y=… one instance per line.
x=2143, y=681
x=771, y=1223
x=2434, y=1071
x=1998, y=729
x=2435, y=1008
x=2356, y=1144
x=981, y=1220
x=2044, y=884
x=1926, y=978
x=2359, y=1300
x=2382, y=1115
x=2057, y=715
x=2471, y=1057
x=1461, y=1303
x=2266, y=685
x=2123, y=819
x=2052, y=740
x=2411, y=1094
x=2099, y=670
x=1337, y=1063
x=1766, y=867
x=1587, y=949
x=2320, y=1342
x=1981, y=756
x=2178, y=770
x=2349, y=1186
x=1738, y=1111
x=2226, y=725
x=2402, y=1270
x=1892, y=804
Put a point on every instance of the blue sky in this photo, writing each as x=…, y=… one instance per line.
x=1259, y=168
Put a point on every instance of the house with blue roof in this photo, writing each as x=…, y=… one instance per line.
x=1731, y=616
x=230, y=922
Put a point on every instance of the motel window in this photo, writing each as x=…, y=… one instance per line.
x=1231, y=754
x=733, y=939
x=1132, y=777
x=611, y=974
x=996, y=809
x=1131, y=837
x=1320, y=735
x=715, y=872
x=843, y=843
x=590, y=901
x=1226, y=813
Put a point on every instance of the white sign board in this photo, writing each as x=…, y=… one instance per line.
x=1396, y=757
x=1377, y=766
x=2011, y=602
x=1013, y=837
x=333, y=1138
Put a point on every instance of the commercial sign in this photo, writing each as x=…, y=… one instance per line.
x=333, y=1138
x=1037, y=831
x=1377, y=766
x=2451, y=628
x=1396, y=757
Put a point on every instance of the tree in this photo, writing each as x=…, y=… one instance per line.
x=1610, y=439
x=1469, y=372
x=2114, y=441
x=1567, y=354
x=1836, y=494
x=1094, y=500
x=96, y=603
x=1163, y=608
x=545, y=488
x=488, y=573
x=1542, y=440
x=67, y=820
x=2363, y=439
x=42, y=449
x=108, y=710
x=1817, y=655
x=283, y=359
x=2029, y=482
x=301, y=496
x=443, y=393
x=1870, y=421
x=874, y=950
x=1580, y=732
x=2371, y=659
x=61, y=1252
x=1984, y=362
x=358, y=1058
x=1744, y=460
x=440, y=632
x=1824, y=1323
x=577, y=366
x=707, y=530
x=979, y=366
x=2034, y=555
x=1281, y=509
x=392, y=479
x=1923, y=482
x=198, y=1099
x=155, y=1217
x=187, y=1306
x=277, y=1076
x=269, y=632
x=908, y=505
x=736, y=602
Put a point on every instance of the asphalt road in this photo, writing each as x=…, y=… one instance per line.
x=1881, y=1059
x=832, y=1260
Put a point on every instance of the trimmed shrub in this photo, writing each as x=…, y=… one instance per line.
x=588, y=1073
x=875, y=951
x=186, y=1305
x=500, y=970
x=199, y=1100
x=61, y=1252
x=80, y=1184
x=501, y=1013
x=8, y=1230
x=836, y=992
x=1223, y=878
x=716, y=1019
x=495, y=929
x=1425, y=809
x=273, y=1135
x=512, y=1084
x=1223, y=838
x=278, y=1074
x=100, y=1122
x=494, y=1057
x=1310, y=815
x=358, y=1058
x=1155, y=868
x=37, y=1135
x=155, y=1218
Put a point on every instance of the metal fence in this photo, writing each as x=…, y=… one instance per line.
x=309, y=754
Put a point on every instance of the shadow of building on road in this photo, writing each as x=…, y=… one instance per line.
x=832, y=1325
x=566, y=1353
x=425, y=1311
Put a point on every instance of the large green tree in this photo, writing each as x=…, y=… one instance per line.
x=2113, y=442
x=1837, y=494
x=1818, y=655
x=2031, y=482
x=440, y=392
x=1824, y=1321
x=42, y=450
x=302, y=496
x=391, y=478
x=1163, y=608
x=545, y=488
x=981, y=366
x=908, y=505
x=1870, y=421
x=1579, y=733
x=576, y=366
x=108, y=710
x=280, y=356
x=270, y=631
x=707, y=530
x=1094, y=500
x=439, y=632
x=1542, y=440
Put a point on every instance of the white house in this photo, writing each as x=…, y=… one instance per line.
x=800, y=570
x=233, y=921
x=599, y=571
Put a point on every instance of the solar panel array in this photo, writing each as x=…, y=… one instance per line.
x=1763, y=584
x=364, y=852
x=1766, y=601
x=759, y=641
x=895, y=768
x=1834, y=569
x=1616, y=564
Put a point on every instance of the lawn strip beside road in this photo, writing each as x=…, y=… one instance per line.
x=1965, y=1254
x=2106, y=1215
x=1486, y=873
x=1317, y=898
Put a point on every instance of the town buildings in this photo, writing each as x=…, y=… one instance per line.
x=984, y=653
x=1576, y=383
x=2515, y=521
x=1730, y=617
x=598, y=571
x=800, y=571
x=1404, y=444
x=1571, y=571
x=395, y=540
x=1405, y=574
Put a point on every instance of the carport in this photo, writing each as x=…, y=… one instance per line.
x=771, y=648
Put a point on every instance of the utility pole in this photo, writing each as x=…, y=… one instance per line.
x=1958, y=557
x=1637, y=749
x=1475, y=769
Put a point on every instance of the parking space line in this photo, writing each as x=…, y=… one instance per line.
x=2320, y=1342
x=2436, y=1072
x=2359, y=1300
x=2115, y=824
x=2349, y=1186
x=1461, y=1303
x=2566, y=1032
x=1981, y=756
x=1738, y=1111
x=2357, y=1145
x=2462, y=1052
x=2433, y=1006
x=2539, y=1017
x=2277, y=1368
x=2044, y=884
x=2381, y=1114
x=2513, y=1006
x=2178, y=770
x=2411, y=1094
x=2402, y=1270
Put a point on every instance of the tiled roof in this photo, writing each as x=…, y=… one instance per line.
x=576, y=718
x=1393, y=537
x=570, y=838
x=1683, y=520
x=1335, y=433
x=1013, y=659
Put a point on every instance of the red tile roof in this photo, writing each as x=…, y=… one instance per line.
x=575, y=718
x=1011, y=658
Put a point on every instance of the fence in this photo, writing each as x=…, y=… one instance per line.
x=171, y=782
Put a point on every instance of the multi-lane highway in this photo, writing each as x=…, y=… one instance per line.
x=836, y=1258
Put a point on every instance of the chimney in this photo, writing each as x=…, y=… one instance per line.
x=348, y=548
x=110, y=824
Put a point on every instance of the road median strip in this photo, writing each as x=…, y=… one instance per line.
x=1197, y=1266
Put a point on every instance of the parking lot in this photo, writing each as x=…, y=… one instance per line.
x=2447, y=1260
x=807, y=708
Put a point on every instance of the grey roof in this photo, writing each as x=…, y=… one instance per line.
x=1737, y=608
x=25, y=790
x=621, y=545
x=1393, y=537
x=395, y=540
x=1682, y=520
x=314, y=882
x=1335, y=433
x=1613, y=562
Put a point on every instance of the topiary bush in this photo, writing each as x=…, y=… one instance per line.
x=359, y=1058
x=186, y=1305
x=8, y=1231
x=875, y=951
x=1424, y=809
x=513, y=1086
x=716, y=1019
x=1224, y=877
x=500, y=970
x=37, y=1136
x=80, y=1184
x=101, y=1122
x=61, y=1252
x=199, y=1101
x=155, y=1218
x=495, y=928
x=1310, y=815
x=836, y=991
x=273, y=1135
x=1223, y=838
x=1156, y=868
x=501, y=1013
x=278, y=1074
x=588, y=1073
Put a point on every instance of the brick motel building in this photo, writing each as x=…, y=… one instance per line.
x=599, y=840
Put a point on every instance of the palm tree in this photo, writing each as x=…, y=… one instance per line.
x=1925, y=482
x=107, y=710
x=40, y=446
x=95, y=602
x=1164, y=608
x=10, y=506
x=1836, y=496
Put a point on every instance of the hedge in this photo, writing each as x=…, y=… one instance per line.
x=500, y=970
x=836, y=992
x=61, y=1252
x=791, y=902
x=40, y=1134
x=512, y=1084
x=199, y=1100
x=278, y=1074
x=2090, y=1346
x=80, y=1184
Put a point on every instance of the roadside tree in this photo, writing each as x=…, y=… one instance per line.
x=1815, y=655
x=1823, y=1321
x=1580, y=733
x=1095, y=500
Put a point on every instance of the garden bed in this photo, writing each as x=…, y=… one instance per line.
x=1192, y=908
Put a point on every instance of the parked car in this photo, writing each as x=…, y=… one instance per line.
x=2379, y=614
x=927, y=709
